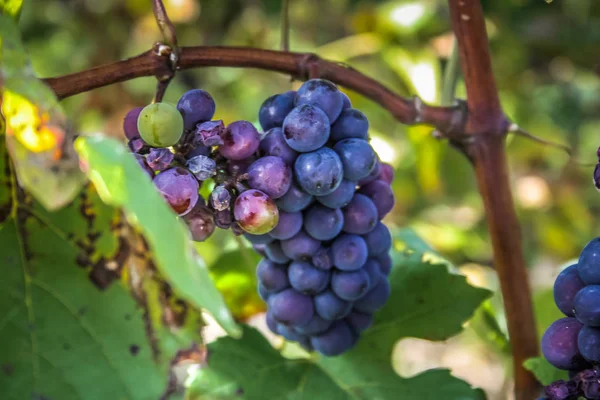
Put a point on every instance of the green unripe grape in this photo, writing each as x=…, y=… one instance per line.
x=160, y=125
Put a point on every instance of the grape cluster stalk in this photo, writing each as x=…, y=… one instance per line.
x=573, y=343
x=309, y=194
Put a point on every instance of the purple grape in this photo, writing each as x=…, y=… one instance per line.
x=259, y=248
x=330, y=307
x=589, y=260
x=559, y=344
x=300, y=247
x=359, y=322
x=360, y=215
x=270, y=175
x=566, y=286
x=137, y=145
x=289, y=333
x=289, y=225
x=239, y=167
x=306, y=278
x=255, y=212
x=275, y=253
x=202, y=167
x=323, y=223
x=323, y=258
x=291, y=308
x=315, y=326
x=379, y=240
x=273, y=277
x=587, y=305
x=130, y=123
x=346, y=103
x=224, y=219
x=201, y=223
x=340, y=197
x=381, y=195
x=357, y=156
x=373, y=175
x=142, y=162
x=179, y=187
x=160, y=159
x=349, y=252
x=373, y=269
x=259, y=239
x=589, y=383
x=562, y=390
x=374, y=299
x=271, y=323
x=350, y=285
x=335, y=341
x=274, y=144
x=209, y=133
x=196, y=106
x=294, y=200
x=597, y=176
x=387, y=173
x=274, y=110
x=220, y=198
x=306, y=128
x=350, y=124
x=385, y=263
x=264, y=295
x=320, y=172
x=588, y=343
x=240, y=140
x=322, y=94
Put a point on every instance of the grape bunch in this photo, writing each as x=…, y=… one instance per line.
x=309, y=194
x=573, y=343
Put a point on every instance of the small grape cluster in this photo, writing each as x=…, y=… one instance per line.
x=309, y=194
x=573, y=343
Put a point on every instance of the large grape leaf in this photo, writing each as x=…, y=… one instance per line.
x=427, y=302
x=121, y=182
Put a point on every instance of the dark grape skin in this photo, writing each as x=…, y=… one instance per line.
x=323, y=258
x=259, y=248
x=130, y=123
x=274, y=109
x=306, y=128
x=588, y=343
x=196, y=106
x=374, y=299
x=349, y=252
x=340, y=197
x=307, y=279
x=270, y=175
x=350, y=285
x=288, y=226
x=357, y=156
x=373, y=269
x=360, y=215
x=373, y=175
x=346, y=103
x=275, y=253
x=588, y=263
x=240, y=141
x=264, y=295
x=322, y=94
x=272, y=324
x=323, y=223
x=379, y=240
x=587, y=305
x=294, y=200
x=350, y=124
x=289, y=333
x=387, y=173
x=330, y=307
x=179, y=187
x=259, y=239
x=159, y=159
x=335, y=341
x=273, y=277
x=255, y=212
x=381, y=195
x=320, y=172
x=291, y=308
x=300, y=247
x=566, y=286
x=385, y=263
x=359, y=322
x=274, y=144
x=200, y=222
x=315, y=326
x=559, y=344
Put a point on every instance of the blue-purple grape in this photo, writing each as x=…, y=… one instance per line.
x=264, y=295
x=275, y=253
x=209, y=133
x=179, y=188
x=335, y=341
x=315, y=326
x=294, y=200
x=589, y=263
x=255, y=212
x=288, y=226
x=200, y=222
x=350, y=285
x=270, y=175
x=220, y=198
x=330, y=307
x=385, y=263
x=588, y=343
x=350, y=124
x=300, y=247
x=290, y=307
x=373, y=269
x=320, y=172
x=323, y=223
x=373, y=175
x=357, y=156
x=274, y=109
x=360, y=215
x=562, y=390
x=587, y=305
x=160, y=159
x=375, y=298
x=559, y=344
x=379, y=240
x=273, y=277
x=566, y=286
x=381, y=195
x=349, y=252
x=196, y=106
x=340, y=197
x=306, y=128
x=387, y=173
x=197, y=150
x=346, y=103
x=272, y=324
x=359, y=322
x=130, y=123
x=322, y=94
x=202, y=167
x=240, y=141
x=289, y=333
x=323, y=258
x=306, y=278
x=259, y=239
x=274, y=144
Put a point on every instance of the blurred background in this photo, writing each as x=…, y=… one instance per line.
x=543, y=52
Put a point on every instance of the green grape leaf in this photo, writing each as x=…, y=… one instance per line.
x=544, y=372
x=427, y=302
x=121, y=182
x=11, y=8
x=38, y=137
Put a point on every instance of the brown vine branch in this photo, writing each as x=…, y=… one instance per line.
x=488, y=126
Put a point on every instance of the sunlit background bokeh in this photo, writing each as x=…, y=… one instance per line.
x=543, y=55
